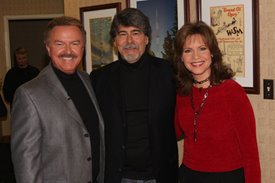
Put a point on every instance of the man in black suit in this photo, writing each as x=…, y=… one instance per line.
x=136, y=95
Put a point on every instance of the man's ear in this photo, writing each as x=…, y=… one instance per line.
x=147, y=40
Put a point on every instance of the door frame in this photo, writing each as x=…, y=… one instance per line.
x=7, y=31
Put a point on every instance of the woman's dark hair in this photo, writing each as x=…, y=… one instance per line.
x=219, y=71
x=131, y=17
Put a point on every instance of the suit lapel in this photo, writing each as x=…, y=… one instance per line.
x=91, y=93
x=58, y=91
x=88, y=86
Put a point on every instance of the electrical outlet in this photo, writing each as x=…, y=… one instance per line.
x=268, y=89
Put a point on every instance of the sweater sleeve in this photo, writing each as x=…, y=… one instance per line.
x=245, y=128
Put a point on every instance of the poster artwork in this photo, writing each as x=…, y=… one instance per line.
x=228, y=25
x=101, y=49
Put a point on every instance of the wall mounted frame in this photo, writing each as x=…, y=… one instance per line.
x=236, y=25
x=165, y=18
x=97, y=22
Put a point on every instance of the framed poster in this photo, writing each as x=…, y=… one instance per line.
x=97, y=22
x=236, y=25
x=165, y=19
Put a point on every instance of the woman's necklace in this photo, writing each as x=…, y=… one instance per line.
x=198, y=111
x=200, y=82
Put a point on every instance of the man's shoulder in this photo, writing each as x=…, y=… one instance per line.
x=11, y=70
x=105, y=69
x=34, y=69
x=160, y=64
x=83, y=74
x=158, y=60
x=40, y=79
x=37, y=81
x=11, y=74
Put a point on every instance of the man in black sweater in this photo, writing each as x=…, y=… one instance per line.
x=19, y=74
x=136, y=95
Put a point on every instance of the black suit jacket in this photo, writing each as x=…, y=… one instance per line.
x=106, y=83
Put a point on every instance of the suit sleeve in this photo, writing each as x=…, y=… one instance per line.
x=179, y=132
x=26, y=136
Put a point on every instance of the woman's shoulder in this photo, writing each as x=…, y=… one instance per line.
x=231, y=84
x=233, y=88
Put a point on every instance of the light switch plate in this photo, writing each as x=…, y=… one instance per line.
x=268, y=89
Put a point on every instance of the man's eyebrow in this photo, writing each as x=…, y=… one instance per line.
x=134, y=30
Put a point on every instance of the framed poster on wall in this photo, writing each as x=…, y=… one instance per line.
x=165, y=19
x=97, y=22
x=236, y=25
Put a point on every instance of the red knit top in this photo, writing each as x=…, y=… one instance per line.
x=226, y=133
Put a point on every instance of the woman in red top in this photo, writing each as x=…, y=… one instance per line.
x=213, y=113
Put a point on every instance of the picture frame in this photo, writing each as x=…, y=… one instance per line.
x=97, y=22
x=236, y=25
x=183, y=9
x=160, y=30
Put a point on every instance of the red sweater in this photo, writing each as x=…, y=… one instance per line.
x=226, y=133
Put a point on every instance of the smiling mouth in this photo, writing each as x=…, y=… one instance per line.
x=130, y=50
x=197, y=64
x=130, y=46
x=67, y=57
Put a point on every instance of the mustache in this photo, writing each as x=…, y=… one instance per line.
x=67, y=55
x=130, y=46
